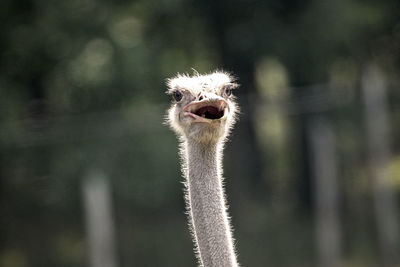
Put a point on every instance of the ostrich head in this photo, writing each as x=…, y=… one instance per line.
x=203, y=107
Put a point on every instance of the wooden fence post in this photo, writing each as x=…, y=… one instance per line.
x=326, y=188
x=378, y=144
x=97, y=200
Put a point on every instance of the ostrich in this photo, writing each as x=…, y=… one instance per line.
x=202, y=114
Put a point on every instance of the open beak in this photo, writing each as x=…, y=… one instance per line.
x=206, y=110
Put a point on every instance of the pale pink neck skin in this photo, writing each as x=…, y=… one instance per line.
x=206, y=202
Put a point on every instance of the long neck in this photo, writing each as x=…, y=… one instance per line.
x=206, y=202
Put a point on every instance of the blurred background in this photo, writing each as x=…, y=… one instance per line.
x=90, y=176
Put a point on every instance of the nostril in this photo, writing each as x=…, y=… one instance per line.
x=201, y=97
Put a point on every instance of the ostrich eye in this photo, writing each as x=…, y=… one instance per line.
x=177, y=96
x=228, y=91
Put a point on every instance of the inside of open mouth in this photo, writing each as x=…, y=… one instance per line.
x=209, y=112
